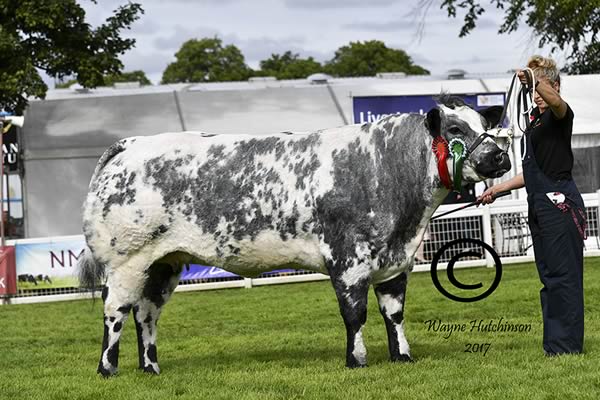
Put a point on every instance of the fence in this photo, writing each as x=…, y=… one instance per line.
x=502, y=224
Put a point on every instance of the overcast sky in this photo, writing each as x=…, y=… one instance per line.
x=317, y=28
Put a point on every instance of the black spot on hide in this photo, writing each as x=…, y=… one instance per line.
x=152, y=353
x=158, y=232
x=229, y=185
x=113, y=355
x=124, y=309
x=389, y=182
x=157, y=282
x=122, y=192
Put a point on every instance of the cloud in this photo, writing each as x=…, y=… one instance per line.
x=380, y=26
x=324, y=4
x=144, y=26
x=150, y=63
x=181, y=35
x=257, y=49
x=254, y=49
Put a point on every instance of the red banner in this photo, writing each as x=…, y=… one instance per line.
x=8, y=271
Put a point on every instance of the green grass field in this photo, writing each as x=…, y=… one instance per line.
x=288, y=342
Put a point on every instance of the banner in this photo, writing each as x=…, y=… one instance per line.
x=8, y=281
x=373, y=108
x=53, y=264
x=10, y=150
x=203, y=272
x=48, y=264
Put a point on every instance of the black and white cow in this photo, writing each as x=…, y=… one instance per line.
x=351, y=202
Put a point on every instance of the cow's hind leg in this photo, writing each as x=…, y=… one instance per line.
x=161, y=280
x=116, y=311
x=390, y=296
x=352, y=294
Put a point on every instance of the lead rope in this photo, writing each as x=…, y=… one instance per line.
x=519, y=100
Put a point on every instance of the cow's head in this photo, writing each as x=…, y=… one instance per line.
x=454, y=119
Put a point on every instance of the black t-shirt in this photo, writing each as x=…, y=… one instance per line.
x=551, y=139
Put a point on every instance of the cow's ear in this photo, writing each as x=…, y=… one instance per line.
x=492, y=115
x=433, y=122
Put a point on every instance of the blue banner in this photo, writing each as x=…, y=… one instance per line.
x=373, y=108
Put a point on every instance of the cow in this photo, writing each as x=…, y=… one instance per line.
x=44, y=278
x=27, y=278
x=351, y=202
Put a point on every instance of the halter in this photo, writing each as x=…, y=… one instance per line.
x=459, y=152
x=457, y=149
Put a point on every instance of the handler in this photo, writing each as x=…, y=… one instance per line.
x=556, y=211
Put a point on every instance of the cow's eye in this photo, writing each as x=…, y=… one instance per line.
x=454, y=130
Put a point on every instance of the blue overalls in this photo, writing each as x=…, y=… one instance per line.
x=558, y=237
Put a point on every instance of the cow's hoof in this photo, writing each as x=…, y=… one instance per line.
x=107, y=372
x=151, y=369
x=405, y=358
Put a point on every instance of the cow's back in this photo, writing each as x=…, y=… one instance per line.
x=242, y=202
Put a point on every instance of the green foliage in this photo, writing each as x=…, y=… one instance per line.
x=370, y=57
x=133, y=76
x=109, y=80
x=571, y=25
x=585, y=62
x=289, y=66
x=207, y=60
x=288, y=342
x=53, y=36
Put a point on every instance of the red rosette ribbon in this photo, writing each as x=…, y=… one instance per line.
x=440, y=149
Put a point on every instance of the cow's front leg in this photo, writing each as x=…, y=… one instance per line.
x=390, y=296
x=352, y=289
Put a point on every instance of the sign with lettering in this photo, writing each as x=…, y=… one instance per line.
x=53, y=264
x=373, y=108
x=10, y=150
x=49, y=264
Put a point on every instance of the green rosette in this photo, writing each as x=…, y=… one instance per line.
x=458, y=152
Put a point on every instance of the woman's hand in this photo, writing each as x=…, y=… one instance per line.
x=524, y=76
x=487, y=197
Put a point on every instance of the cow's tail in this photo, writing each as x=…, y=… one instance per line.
x=112, y=151
x=91, y=272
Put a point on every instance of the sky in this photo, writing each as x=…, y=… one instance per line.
x=317, y=28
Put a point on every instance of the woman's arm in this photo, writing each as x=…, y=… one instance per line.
x=549, y=93
x=552, y=98
x=515, y=182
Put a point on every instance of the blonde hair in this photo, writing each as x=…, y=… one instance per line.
x=544, y=67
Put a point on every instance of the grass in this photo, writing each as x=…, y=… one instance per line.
x=288, y=342
x=57, y=282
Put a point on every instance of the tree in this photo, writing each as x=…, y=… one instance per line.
x=369, y=58
x=53, y=36
x=207, y=60
x=289, y=66
x=132, y=76
x=585, y=62
x=109, y=80
x=570, y=26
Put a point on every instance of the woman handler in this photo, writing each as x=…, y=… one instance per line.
x=556, y=210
